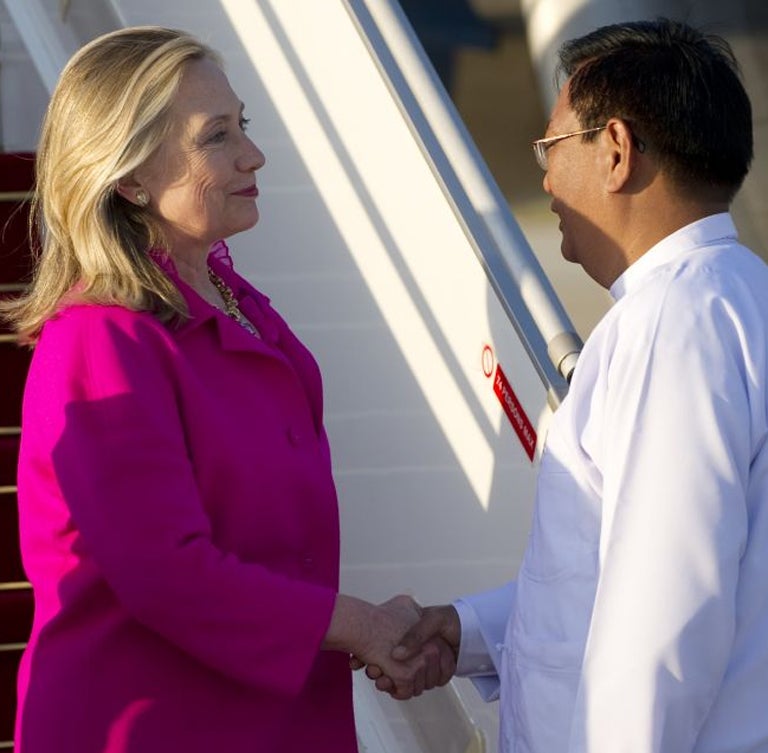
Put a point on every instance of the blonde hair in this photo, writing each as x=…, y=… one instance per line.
x=107, y=116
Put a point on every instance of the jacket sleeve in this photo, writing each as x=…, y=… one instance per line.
x=119, y=457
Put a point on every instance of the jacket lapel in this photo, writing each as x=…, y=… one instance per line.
x=276, y=340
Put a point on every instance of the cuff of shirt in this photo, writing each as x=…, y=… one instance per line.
x=474, y=660
x=474, y=657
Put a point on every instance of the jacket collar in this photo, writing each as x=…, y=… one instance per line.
x=233, y=337
x=202, y=314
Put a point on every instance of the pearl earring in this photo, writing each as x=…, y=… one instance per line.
x=142, y=197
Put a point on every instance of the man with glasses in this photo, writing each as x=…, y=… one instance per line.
x=639, y=618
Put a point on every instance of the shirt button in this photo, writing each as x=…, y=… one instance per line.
x=294, y=437
x=308, y=563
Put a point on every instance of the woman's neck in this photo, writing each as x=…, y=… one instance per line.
x=193, y=270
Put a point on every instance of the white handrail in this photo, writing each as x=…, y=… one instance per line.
x=512, y=258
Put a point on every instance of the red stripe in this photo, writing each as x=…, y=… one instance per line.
x=515, y=413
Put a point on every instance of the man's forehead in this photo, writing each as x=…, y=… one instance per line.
x=562, y=112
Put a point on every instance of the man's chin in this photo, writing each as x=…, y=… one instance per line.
x=567, y=253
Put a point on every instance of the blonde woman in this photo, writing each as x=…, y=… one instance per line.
x=179, y=520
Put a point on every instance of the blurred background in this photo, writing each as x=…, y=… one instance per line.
x=496, y=59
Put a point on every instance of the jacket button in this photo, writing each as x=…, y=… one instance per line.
x=308, y=563
x=294, y=437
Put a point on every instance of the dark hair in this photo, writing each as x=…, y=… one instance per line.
x=678, y=89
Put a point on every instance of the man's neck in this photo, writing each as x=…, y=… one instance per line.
x=650, y=218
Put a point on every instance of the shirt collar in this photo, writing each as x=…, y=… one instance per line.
x=704, y=232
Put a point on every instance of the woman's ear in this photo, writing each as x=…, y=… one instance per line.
x=130, y=189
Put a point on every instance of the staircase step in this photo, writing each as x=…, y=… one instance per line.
x=5, y=327
x=14, y=363
x=16, y=181
x=9, y=455
x=9, y=664
x=11, y=570
x=17, y=171
x=17, y=607
x=15, y=257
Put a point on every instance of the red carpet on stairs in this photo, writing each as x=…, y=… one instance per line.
x=16, y=180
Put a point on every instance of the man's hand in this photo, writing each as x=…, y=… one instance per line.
x=405, y=678
x=435, y=622
x=429, y=647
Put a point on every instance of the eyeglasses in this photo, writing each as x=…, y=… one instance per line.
x=542, y=146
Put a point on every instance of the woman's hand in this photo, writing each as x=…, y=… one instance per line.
x=422, y=657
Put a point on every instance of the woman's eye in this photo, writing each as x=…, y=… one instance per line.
x=219, y=136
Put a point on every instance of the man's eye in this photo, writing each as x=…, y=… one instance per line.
x=244, y=123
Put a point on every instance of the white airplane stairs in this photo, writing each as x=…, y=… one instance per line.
x=388, y=247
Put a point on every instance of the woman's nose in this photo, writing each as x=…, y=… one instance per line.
x=253, y=158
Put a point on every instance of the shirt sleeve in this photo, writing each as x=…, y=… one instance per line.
x=484, y=617
x=674, y=449
x=120, y=459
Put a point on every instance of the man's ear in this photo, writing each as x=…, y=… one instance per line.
x=622, y=154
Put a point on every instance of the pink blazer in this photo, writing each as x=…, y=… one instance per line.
x=179, y=526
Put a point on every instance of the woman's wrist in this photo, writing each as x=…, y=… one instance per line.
x=351, y=623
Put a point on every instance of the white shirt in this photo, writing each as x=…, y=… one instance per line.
x=639, y=618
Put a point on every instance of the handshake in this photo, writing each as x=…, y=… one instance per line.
x=405, y=648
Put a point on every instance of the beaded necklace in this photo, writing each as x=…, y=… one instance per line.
x=230, y=303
